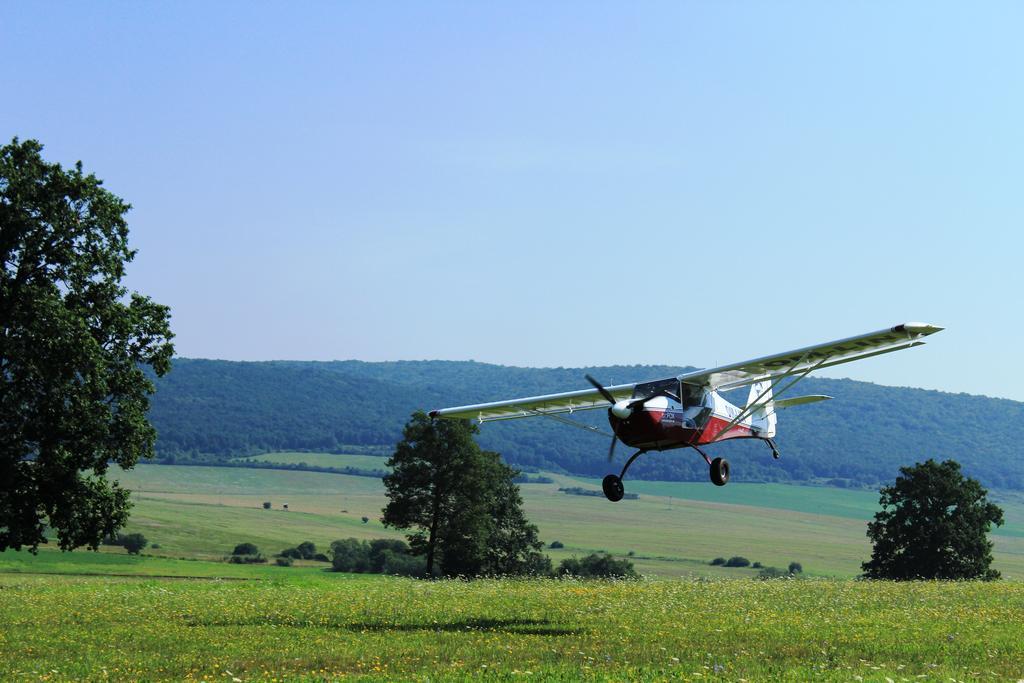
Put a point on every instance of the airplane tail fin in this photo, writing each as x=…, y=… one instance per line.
x=763, y=417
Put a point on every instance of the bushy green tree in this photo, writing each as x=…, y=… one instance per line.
x=134, y=543
x=379, y=556
x=774, y=573
x=429, y=488
x=246, y=549
x=307, y=549
x=459, y=502
x=350, y=555
x=378, y=547
x=73, y=350
x=402, y=564
x=932, y=525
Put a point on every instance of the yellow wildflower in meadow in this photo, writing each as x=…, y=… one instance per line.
x=316, y=626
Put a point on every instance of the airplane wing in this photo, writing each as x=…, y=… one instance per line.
x=548, y=404
x=802, y=361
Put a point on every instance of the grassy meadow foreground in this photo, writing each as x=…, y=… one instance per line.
x=179, y=612
x=305, y=624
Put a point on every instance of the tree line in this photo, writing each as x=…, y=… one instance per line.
x=222, y=409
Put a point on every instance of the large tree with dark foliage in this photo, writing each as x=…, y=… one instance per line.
x=460, y=502
x=73, y=346
x=932, y=525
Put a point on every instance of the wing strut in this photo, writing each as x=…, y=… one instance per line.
x=572, y=423
x=756, y=403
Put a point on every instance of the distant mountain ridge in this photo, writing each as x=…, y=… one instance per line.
x=212, y=409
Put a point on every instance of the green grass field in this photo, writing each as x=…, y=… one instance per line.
x=305, y=624
x=674, y=529
x=181, y=613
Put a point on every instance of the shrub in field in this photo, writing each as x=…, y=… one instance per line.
x=379, y=546
x=757, y=565
x=350, y=555
x=773, y=573
x=556, y=544
x=155, y=546
x=791, y=572
x=307, y=549
x=266, y=505
x=134, y=543
x=366, y=520
x=245, y=549
x=284, y=561
x=718, y=561
x=320, y=557
x=737, y=561
x=400, y=564
x=291, y=553
x=379, y=556
x=597, y=566
x=247, y=559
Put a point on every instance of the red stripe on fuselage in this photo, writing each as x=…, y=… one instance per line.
x=713, y=430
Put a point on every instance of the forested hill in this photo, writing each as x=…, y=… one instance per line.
x=206, y=409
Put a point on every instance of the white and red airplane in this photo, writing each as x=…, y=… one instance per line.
x=687, y=411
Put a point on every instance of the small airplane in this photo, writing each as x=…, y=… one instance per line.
x=687, y=411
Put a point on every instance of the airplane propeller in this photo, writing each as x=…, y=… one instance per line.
x=604, y=392
x=620, y=409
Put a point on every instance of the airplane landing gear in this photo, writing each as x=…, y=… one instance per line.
x=719, y=471
x=775, y=449
x=718, y=468
x=613, y=488
x=612, y=484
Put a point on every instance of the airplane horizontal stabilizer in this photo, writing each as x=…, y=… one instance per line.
x=800, y=400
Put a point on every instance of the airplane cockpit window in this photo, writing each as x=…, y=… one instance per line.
x=692, y=396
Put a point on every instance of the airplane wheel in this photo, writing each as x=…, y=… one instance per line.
x=613, y=488
x=719, y=471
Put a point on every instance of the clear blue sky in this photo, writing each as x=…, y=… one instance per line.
x=552, y=184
